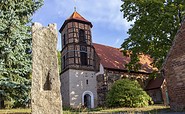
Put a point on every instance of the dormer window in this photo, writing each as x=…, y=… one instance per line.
x=82, y=38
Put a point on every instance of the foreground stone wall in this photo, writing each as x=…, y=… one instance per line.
x=45, y=91
x=174, y=71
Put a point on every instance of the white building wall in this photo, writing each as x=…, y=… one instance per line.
x=64, y=79
x=78, y=85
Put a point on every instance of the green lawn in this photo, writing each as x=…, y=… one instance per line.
x=149, y=109
x=15, y=111
x=154, y=109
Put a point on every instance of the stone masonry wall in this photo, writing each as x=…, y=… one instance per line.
x=174, y=71
x=106, y=80
x=45, y=90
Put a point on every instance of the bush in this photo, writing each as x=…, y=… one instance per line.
x=127, y=93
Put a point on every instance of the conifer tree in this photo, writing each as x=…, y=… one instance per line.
x=15, y=49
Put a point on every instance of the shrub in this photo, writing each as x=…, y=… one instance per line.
x=127, y=93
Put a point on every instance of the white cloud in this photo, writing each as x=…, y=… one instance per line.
x=97, y=11
x=116, y=42
x=102, y=13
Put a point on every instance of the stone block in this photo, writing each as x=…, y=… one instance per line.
x=45, y=90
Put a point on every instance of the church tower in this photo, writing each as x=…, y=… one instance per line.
x=79, y=63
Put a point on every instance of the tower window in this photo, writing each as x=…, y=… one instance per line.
x=64, y=39
x=83, y=57
x=64, y=64
x=82, y=38
x=87, y=82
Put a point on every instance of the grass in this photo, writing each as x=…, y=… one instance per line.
x=15, y=111
x=153, y=109
x=148, y=108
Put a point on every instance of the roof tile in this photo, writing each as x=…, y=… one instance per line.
x=77, y=16
x=113, y=58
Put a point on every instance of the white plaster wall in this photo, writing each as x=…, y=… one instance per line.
x=78, y=85
x=64, y=78
x=101, y=70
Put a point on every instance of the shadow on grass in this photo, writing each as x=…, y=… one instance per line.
x=148, y=110
x=154, y=111
x=80, y=110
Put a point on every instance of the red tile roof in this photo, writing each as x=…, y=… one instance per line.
x=155, y=83
x=113, y=58
x=77, y=16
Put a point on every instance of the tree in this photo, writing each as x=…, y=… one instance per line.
x=59, y=61
x=127, y=93
x=155, y=26
x=15, y=49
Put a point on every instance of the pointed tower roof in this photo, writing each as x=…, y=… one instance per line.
x=75, y=17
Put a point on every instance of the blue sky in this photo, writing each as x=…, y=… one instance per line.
x=109, y=27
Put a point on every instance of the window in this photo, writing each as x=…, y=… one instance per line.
x=64, y=40
x=64, y=64
x=83, y=57
x=82, y=38
x=87, y=82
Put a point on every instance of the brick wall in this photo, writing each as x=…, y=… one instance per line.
x=174, y=71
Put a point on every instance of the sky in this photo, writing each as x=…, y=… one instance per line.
x=109, y=27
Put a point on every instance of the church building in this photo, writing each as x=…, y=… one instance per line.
x=90, y=69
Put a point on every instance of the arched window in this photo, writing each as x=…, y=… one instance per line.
x=82, y=37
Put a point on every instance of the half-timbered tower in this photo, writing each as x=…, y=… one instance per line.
x=79, y=63
x=89, y=69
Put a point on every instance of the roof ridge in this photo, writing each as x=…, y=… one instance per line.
x=107, y=46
